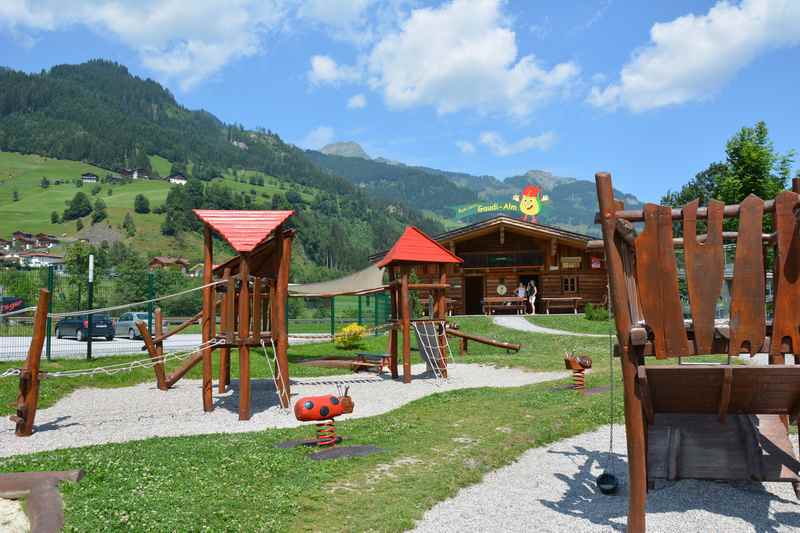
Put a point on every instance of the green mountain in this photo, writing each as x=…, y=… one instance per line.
x=98, y=113
x=571, y=203
x=345, y=149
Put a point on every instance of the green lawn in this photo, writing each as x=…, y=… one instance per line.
x=240, y=482
x=574, y=323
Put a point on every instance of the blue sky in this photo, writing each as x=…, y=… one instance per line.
x=647, y=90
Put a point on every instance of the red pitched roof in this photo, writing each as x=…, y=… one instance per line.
x=244, y=230
x=413, y=246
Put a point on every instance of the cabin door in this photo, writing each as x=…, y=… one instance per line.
x=473, y=295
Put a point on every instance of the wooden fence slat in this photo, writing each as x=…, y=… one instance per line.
x=748, y=321
x=705, y=270
x=657, y=274
x=786, y=321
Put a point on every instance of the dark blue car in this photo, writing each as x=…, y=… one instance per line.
x=78, y=327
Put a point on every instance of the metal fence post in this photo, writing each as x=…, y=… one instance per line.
x=375, y=311
x=151, y=290
x=333, y=316
x=50, y=280
x=89, y=304
x=360, y=317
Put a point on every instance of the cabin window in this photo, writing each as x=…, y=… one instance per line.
x=569, y=284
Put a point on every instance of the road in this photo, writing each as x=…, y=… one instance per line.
x=15, y=348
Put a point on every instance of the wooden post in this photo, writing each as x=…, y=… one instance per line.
x=405, y=320
x=244, y=334
x=441, y=311
x=393, y=331
x=208, y=303
x=634, y=421
x=279, y=321
x=225, y=328
x=158, y=368
x=28, y=397
x=255, y=333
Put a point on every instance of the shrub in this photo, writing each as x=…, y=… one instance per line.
x=350, y=336
x=595, y=312
x=141, y=204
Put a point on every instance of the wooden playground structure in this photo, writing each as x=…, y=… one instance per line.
x=695, y=420
x=249, y=294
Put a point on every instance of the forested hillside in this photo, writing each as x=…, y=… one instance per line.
x=98, y=113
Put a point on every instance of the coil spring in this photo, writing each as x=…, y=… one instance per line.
x=579, y=379
x=326, y=433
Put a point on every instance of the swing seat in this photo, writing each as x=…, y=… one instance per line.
x=719, y=422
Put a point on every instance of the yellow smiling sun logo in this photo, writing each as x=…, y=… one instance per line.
x=530, y=203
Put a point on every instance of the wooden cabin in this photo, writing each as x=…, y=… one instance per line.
x=501, y=252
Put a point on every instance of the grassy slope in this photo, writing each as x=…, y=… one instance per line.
x=433, y=447
x=32, y=212
x=575, y=323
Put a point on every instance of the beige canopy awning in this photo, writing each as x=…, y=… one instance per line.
x=365, y=281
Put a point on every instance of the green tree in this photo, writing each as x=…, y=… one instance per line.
x=54, y=218
x=110, y=191
x=752, y=166
x=96, y=190
x=15, y=195
x=99, y=212
x=141, y=204
x=128, y=225
x=78, y=207
x=79, y=183
x=45, y=183
x=76, y=266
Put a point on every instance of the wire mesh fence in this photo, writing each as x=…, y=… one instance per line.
x=73, y=333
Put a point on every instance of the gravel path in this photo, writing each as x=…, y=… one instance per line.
x=95, y=416
x=522, y=324
x=12, y=518
x=552, y=489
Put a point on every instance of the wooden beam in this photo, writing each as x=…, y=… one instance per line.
x=225, y=327
x=393, y=333
x=244, y=333
x=158, y=368
x=160, y=337
x=279, y=321
x=645, y=395
x=29, y=380
x=405, y=318
x=153, y=351
x=731, y=211
x=181, y=371
x=441, y=314
x=208, y=303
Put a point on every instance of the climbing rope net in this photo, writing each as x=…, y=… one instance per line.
x=429, y=335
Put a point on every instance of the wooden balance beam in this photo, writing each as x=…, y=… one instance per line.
x=465, y=337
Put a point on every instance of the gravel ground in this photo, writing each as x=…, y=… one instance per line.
x=95, y=416
x=552, y=489
x=12, y=518
x=521, y=324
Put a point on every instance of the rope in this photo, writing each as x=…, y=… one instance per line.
x=19, y=311
x=277, y=370
x=11, y=372
x=136, y=304
x=110, y=370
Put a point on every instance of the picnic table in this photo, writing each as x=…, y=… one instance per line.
x=569, y=302
x=506, y=303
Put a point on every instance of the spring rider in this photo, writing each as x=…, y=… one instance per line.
x=322, y=410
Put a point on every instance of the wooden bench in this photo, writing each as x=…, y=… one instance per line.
x=377, y=361
x=504, y=303
x=569, y=302
x=704, y=421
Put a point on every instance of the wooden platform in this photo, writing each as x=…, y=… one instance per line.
x=696, y=446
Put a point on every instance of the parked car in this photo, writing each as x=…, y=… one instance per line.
x=126, y=325
x=78, y=327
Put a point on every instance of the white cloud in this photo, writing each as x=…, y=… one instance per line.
x=357, y=101
x=692, y=57
x=346, y=20
x=466, y=147
x=325, y=70
x=189, y=44
x=462, y=55
x=318, y=137
x=498, y=145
